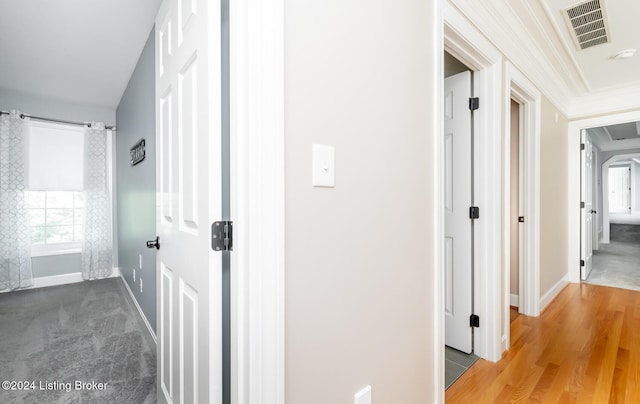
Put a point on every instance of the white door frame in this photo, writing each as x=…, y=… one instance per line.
x=257, y=201
x=573, y=200
x=518, y=87
x=462, y=40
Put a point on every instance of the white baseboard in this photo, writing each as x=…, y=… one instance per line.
x=513, y=300
x=144, y=318
x=553, y=292
x=57, y=280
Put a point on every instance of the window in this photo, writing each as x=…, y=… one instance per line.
x=56, y=199
x=56, y=217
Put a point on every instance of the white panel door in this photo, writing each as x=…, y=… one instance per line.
x=188, y=194
x=586, y=241
x=457, y=200
x=619, y=195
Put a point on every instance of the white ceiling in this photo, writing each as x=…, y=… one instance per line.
x=85, y=51
x=597, y=65
x=534, y=37
x=73, y=50
x=624, y=136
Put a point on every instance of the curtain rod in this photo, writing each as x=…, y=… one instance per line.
x=88, y=124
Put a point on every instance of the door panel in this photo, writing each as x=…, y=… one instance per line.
x=189, y=194
x=457, y=173
x=619, y=195
x=587, y=211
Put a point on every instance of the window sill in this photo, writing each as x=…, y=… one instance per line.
x=60, y=249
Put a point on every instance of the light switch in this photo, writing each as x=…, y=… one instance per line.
x=323, y=166
x=363, y=396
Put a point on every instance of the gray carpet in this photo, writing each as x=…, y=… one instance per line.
x=455, y=364
x=617, y=264
x=88, y=332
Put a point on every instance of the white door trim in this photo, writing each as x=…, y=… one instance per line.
x=466, y=43
x=437, y=214
x=518, y=87
x=573, y=200
x=257, y=201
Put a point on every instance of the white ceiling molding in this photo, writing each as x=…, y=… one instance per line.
x=504, y=28
x=606, y=102
x=456, y=29
x=528, y=35
x=565, y=44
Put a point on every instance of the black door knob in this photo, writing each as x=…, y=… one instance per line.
x=154, y=243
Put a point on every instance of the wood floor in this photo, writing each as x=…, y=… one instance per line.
x=584, y=348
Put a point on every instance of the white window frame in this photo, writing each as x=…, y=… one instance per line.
x=43, y=250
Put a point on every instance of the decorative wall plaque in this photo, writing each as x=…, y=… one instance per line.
x=137, y=152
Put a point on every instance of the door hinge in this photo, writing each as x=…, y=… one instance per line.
x=222, y=236
x=474, y=321
x=581, y=146
x=581, y=263
x=581, y=205
x=474, y=212
x=474, y=103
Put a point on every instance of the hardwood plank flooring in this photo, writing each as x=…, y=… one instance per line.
x=584, y=348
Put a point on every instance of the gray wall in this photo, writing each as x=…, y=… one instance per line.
x=51, y=265
x=136, y=186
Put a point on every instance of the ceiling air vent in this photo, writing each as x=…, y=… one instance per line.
x=587, y=22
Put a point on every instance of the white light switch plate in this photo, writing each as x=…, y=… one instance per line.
x=363, y=396
x=323, y=166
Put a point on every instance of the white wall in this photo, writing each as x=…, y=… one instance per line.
x=361, y=76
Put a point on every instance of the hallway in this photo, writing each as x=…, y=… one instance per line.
x=582, y=349
x=617, y=264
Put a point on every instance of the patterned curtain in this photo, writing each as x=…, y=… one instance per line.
x=15, y=234
x=97, y=258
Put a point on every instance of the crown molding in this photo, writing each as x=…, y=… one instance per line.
x=606, y=101
x=568, y=51
x=506, y=30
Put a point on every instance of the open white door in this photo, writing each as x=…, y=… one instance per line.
x=586, y=239
x=457, y=200
x=189, y=200
x=619, y=189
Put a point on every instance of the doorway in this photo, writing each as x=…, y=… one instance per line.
x=613, y=262
x=516, y=221
x=522, y=100
x=574, y=177
x=458, y=185
x=458, y=235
